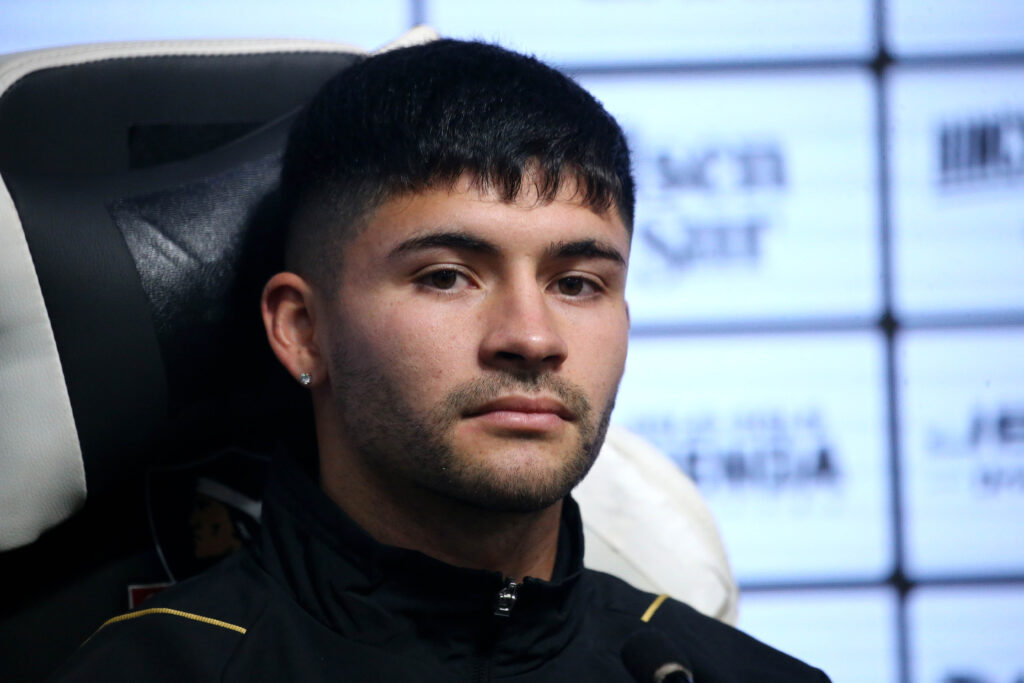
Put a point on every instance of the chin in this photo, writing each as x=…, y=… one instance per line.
x=522, y=479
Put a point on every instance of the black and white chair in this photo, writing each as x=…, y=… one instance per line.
x=137, y=226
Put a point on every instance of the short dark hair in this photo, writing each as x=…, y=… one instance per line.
x=421, y=117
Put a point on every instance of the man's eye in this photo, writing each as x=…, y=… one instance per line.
x=441, y=279
x=575, y=286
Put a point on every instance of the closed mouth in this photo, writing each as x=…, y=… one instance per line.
x=524, y=404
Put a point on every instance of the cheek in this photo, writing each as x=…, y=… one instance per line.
x=601, y=356
x=615, y=361
x=419, y=344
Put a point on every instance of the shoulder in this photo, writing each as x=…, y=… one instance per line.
x=188, y=632
x=716, y=650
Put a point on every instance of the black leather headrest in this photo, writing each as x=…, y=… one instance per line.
x=145, y=188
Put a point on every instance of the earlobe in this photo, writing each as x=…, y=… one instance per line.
x=287, y=308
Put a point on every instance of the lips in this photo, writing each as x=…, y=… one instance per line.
x=525, y=405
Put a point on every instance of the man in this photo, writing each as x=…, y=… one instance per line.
x=459, y=229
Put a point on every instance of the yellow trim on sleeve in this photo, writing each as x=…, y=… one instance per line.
x=653, y=608
x=172, y=612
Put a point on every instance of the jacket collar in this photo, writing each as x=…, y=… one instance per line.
x=416, y=605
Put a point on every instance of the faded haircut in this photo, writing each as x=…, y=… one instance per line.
x=422, y=117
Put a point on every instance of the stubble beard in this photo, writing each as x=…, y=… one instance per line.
x=393, y=440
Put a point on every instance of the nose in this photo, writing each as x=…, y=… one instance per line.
x=523, y=331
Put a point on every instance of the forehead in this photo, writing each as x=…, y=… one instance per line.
x=466, y=207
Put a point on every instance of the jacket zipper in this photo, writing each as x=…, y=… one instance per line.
x=506, y=599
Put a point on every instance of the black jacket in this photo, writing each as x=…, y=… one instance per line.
x=317, y=599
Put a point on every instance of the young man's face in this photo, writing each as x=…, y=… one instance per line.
x=475, y=347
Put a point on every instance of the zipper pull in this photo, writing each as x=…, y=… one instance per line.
x=506, y=599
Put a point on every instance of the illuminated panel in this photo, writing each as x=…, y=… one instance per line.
x=784, y=436
x=963, y=444
x=616, y=31
x=966, y=635
x=958, y=189
x=944, y=26
x=849, y=634
x=28, y=25
x=755, y=195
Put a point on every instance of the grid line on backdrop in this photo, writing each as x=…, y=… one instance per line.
x=885, y=64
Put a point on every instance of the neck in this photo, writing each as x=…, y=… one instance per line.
x=408, y=516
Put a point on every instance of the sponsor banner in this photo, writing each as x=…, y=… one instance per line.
x=962, y=436
x=957, y=155
x=633, y=31
x=850, y=634
x=944, y=26
x=755, y=195
x=784, y=436
x=31, y=25
x=966, y=634
x=138, y=593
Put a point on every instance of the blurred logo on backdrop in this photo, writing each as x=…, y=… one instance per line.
x=961, y=677
x=770, y=450
x=991, y=441
x=981, y=151
x=706, y=205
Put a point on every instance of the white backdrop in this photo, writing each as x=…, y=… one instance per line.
x=827, y=285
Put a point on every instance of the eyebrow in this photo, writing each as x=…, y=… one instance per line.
x=588, y=248
x=446, y=240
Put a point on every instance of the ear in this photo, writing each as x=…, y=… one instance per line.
x=287, y=307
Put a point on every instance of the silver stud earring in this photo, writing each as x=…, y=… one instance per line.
x=305, y=379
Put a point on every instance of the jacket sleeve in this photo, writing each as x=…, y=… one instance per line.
x=720, y=652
